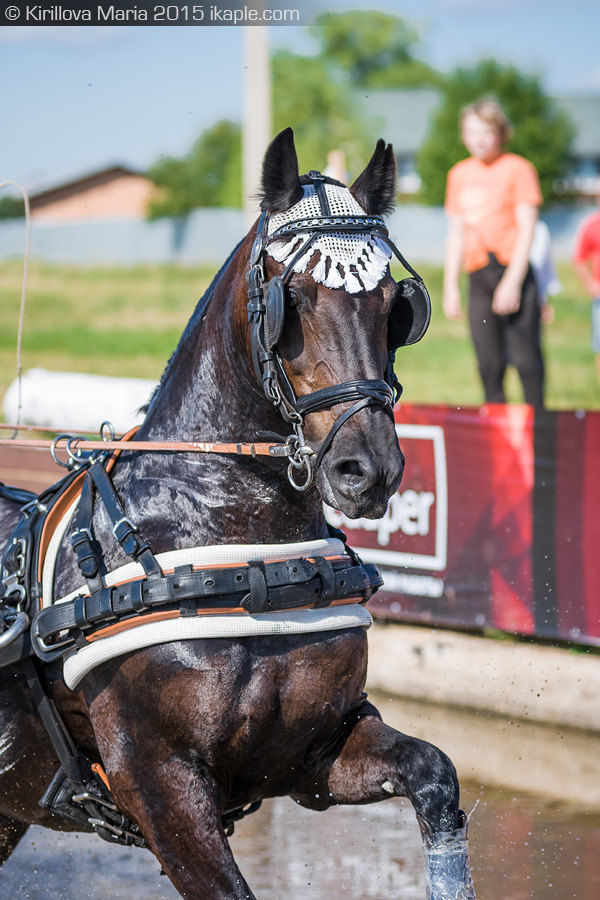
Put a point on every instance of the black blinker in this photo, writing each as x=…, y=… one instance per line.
x=274, y=311
x=410, y=315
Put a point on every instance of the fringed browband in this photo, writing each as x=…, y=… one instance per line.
x=354, y=261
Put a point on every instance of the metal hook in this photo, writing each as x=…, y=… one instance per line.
x=75, y=458
x=107, y=428
x=299, y=454
x=54, y=448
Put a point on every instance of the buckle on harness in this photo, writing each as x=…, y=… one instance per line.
x=123, y=528
x=13, y=587
x=79, y=536
x=33, y=505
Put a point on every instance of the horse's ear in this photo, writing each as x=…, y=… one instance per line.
x=281, y=187
x=375, y=188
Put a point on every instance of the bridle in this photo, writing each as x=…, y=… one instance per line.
x=266, y=312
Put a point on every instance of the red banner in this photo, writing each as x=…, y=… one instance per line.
x=496, y=522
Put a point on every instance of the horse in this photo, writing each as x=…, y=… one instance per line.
x=189, y=731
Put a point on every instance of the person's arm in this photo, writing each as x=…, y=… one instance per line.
x=584, y=271
x=507, y=296
x=455, y=246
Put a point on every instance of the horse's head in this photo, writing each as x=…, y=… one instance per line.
x=326, y=319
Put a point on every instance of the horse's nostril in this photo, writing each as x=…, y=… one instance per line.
x=355, y=475
x=350, y=467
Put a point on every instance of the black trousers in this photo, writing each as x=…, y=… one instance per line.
x=500, y=340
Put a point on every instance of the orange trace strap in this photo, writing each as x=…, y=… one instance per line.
x=99, y=771
x=55, y=515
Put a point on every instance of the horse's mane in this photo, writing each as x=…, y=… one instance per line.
x=194, y=323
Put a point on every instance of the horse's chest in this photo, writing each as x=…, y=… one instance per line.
x=293, y=698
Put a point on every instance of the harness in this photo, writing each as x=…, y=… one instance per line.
x=313, y=588
x=296, y=593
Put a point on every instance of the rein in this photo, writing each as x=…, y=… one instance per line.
x=74, y=445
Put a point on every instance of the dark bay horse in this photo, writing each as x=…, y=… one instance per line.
x=189, y=730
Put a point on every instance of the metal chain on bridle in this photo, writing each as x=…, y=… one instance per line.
x=266, y=309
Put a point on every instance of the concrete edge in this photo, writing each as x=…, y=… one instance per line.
x=509, y=679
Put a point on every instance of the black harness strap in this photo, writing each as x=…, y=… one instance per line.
x=81, y=540
x=374, y=389
x=16, y=494
x=257, y=587
x=341, y=420
x=68, y=755
x=319, y=183
x=124, y=530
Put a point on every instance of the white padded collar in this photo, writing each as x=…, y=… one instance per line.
x=217, y=625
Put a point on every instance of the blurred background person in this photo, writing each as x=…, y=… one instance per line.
x=336, y=166
x=586, y=259
x=544, y=270
x=492, y=200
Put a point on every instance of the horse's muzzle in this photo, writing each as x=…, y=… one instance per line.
x=363, y=469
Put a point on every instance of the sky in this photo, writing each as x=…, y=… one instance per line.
x=76, y=99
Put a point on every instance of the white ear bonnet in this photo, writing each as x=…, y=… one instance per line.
x=355, y=262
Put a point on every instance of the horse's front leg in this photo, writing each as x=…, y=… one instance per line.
x=176, y=806
x=377, y=762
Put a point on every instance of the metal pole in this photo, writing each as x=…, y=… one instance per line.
x=257, y=115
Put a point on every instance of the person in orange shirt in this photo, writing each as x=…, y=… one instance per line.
x=492, y=201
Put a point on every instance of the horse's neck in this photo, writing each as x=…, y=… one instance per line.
x=210, y=393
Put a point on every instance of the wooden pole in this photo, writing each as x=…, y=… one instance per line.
x=257, y=115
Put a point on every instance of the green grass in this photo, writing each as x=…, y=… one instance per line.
x=127, y=321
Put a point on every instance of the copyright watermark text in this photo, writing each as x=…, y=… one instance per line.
x=23, y=12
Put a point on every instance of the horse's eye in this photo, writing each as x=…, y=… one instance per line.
x=293, y=297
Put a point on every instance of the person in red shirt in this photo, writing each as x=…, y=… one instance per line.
x=586, y=259
x=492, y=201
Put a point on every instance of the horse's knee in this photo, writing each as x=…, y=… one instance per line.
x=377, y=762
x=437, y=767
x=429, y=780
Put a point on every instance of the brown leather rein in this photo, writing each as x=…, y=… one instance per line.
x=73, y=445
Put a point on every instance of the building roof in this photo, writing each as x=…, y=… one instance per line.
x=75, y=186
